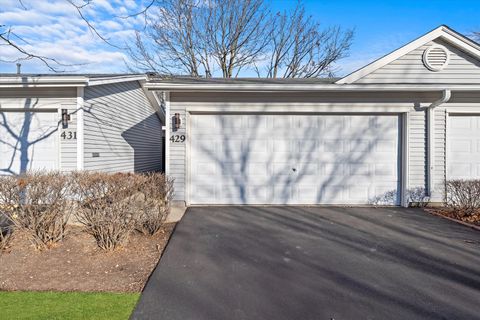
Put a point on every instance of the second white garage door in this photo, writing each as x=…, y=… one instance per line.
x=294, y=159
x=463, y=147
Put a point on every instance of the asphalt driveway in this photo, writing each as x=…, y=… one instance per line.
x=315, y=263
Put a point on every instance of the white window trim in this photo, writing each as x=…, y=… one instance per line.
x=166, y=100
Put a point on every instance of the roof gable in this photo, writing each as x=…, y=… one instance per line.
x=442, y=34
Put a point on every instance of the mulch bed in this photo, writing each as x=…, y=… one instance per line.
x=451, y=214
x=77, y=264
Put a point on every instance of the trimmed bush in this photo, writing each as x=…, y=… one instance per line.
x=106, y=206
x=111, y=206
x=463, y=197
x=155, y=192
x=37, y=203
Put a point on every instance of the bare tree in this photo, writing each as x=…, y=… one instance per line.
x=235, y=30
x=171, y=42
x=299, y=48
x=199, y=38
x=476, y=36
x=194, y=36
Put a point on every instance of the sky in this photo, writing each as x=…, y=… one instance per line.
x=53, y=28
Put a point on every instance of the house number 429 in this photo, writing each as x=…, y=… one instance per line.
x=177, y=138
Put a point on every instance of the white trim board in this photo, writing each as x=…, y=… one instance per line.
x=337, y=108
x=442, y=32
x=235, y=87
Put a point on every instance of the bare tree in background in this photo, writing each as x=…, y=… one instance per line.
x=195, y=36
x=171, y=43
x=236, y=33
x=476, y=36
x=198, y=37
x=299, y=48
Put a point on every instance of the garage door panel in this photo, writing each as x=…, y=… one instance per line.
x=463, y=147
x=295, y=159
x=28, y=141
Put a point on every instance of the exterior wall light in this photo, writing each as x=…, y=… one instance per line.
x=65, y=118
x=177, y=121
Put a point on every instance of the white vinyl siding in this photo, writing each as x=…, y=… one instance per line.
x=440, y=145
x=417, y=149
x=462, y=69
x=68, y=147
x=178, y=152
x=123, y=133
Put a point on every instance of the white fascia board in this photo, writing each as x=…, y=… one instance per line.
x=110, y=80
x=295, y=87
x=441, y=32
x=53, y=81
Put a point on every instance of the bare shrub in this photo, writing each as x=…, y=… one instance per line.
x=155, y=192
x=463, y=197
x=9, y=203
x=37, y=203
x=106, y=206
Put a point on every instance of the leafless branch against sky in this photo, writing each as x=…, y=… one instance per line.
x=229, y=38
x=9, y=38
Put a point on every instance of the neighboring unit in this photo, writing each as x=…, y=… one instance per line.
x=77, y=122
x=389, y=133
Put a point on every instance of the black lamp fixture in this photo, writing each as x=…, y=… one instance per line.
x=65, y=118
x=177, y=121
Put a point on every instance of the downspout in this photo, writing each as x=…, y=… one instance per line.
x=446, y=95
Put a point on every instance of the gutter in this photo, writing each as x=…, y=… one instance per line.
x=175, y=87
x=39, y=82
x=446, y=95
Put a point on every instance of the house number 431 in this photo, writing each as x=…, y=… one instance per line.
x=177, y=138
x=69, y=135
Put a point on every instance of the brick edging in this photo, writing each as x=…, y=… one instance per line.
x=466, y=224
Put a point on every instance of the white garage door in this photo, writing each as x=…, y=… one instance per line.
x=28, y=141
x=463, y=147
x=294, y=159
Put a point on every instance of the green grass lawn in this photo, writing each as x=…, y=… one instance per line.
x=68, y=305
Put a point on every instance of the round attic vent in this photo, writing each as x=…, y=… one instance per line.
x=436, y=57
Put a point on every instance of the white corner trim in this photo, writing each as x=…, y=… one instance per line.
x=405, y=159
x=442, y=31
x=80, y=129
x=166, y=100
